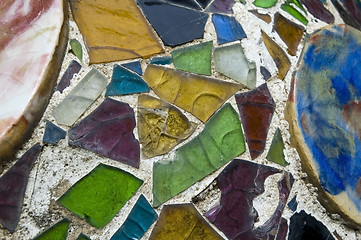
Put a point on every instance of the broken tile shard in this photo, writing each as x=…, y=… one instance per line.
x=114, y=31
x=80, y=98
x=76, y=49
x=305, y=226
x=99, y=195
x=175, y=25
x=108, y=131
x=265, y=73
x=140, y=218
x=221, y=6
x=256, y=108
x=204, y=3
x=161, y=126
x=53, y=134
x=231, y=61
x=12, y=188
x=219, y=142
x=165, y=60
x=134, y=66
x=240, y=183
x=293, y=204
x=125, y=82
x=263, y=16
x=279, y=56
x=228, y=29
x=74, y=67
x=182, y=222
x=294, y=12
x=349, y=12
x=290, y=33
x=265, y=3
x=196, y=58
x=196, y=94
x=318, y=10
x=82, y=237
x=59, y=231
x=275, y=153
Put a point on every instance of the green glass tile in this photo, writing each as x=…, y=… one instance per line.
x=76, y=48
x=99, y=196
x=275, y=153
x=220, y=141
x=293, y=11
x=195, y=59
x=82, y=237
x=58, y=231
x=265, y=3
x=298, y=4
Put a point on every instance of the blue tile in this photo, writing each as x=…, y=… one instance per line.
x=53, y=134
x=162, y=60
x=227, y=28
x=134, y=66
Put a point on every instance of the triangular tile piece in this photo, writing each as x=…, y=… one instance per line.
x=199, y=95
x=231, y=61
x=108, y=131
x=305, y=226
x=125, y=82
x=275, y=153
x=204, y=3
x=59, y=231
x=228, y=29
x=182, y=222
x=82, y=237
x=175, y=25
x=221, y=6
x=134, y=66
x=256, y=108
x=138, y=221
x=293, y=204
x=161, y=126
x=74, y=67
x=100, y=194
x=12, y=188
x=196, y=58
x=53, y=134
x=165, y=60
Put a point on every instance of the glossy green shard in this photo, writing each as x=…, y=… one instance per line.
x=58, y=231
x=76, y=48
x=99, y=196
x=295, y=13
x=195, y=59
x=275, y=153
x=265, y=3
x=220, y=141
x=298, y=4
x=82, y=237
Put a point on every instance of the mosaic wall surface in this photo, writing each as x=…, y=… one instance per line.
x=182, y=119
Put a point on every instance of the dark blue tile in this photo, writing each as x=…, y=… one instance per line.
x=134, y=66
x=53, y=134
x=227, y=28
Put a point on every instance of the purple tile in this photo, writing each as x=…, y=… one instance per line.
x=74, y=67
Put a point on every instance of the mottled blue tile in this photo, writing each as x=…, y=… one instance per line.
x=53, y=134
x=227, y=28
x=166, y=60
x=134, y=66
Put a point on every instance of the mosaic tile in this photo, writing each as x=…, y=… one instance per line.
x=140, y=218
x=231, y=61
x=99, y=195
x=275, y=153
x=265, y=17
x=240, y=182
x=74, y=67
x=175, y=25
x=279, y=56
x=265, y=73
x=265, y=3
x=53, y=134
x=12, y=188
x=185, y=3
x=256, y=109
x=103, y=30
x=323, y=111
x=196, y=94
x=318, y=10
x=294, y=12
x=349, y=11
x=221, y=6
x=305, y=226
x=195, y=58
x=59, y=231
x=31, y=57
x=108, y=131
x=134, y=66
x=293, y=204
x=76, y=48
x=298, y=4
x=203, y=3
x=82, y=237
x=228, y=29
x=80, y=98
x=166, y=60
x=182, y=221
x=282, y=230
x=161, y=126
x=125, y=82
x=290, y=33
x=219, y=142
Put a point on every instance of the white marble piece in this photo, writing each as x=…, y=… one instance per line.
x=80, y=98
